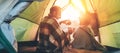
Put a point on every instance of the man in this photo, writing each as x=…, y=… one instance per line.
x=49, y=27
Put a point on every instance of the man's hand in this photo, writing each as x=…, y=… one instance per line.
x=67, y=22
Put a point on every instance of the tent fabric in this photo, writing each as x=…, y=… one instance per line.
x=4, y=9
x=6, y=33
x=35, y=11
x=108, y=11
x=16, y=11
x=6, y=43
x=6, y=28
x=24, y=29
x=110, y=35
x=109, y=19
x=7, y=39
x=25, y=25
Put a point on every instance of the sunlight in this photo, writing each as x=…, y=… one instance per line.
x=71, y=12
x=61, y=3
x=77, y=3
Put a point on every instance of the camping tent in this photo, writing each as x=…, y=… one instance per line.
x=28, y=19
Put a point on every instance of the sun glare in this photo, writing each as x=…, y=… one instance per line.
x=77, y=3
x=72, y=12
x=61, y=3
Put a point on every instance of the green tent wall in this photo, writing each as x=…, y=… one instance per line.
x=108, y=12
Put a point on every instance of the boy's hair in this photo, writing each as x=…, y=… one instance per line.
x=54, y=8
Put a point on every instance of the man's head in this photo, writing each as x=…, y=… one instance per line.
x=85, y=19
x=55, y=11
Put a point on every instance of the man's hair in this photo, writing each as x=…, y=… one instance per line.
x=54, y=8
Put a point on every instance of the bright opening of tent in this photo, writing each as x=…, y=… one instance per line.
x=71, y=10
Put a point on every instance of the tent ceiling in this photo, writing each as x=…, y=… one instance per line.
x=36, y=10
x=25, y=27
x=108, y=11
